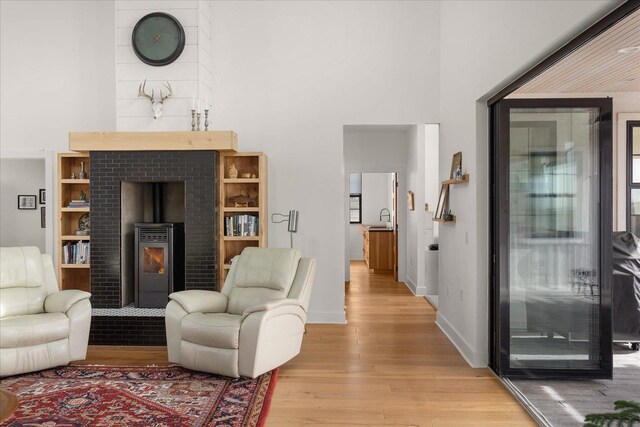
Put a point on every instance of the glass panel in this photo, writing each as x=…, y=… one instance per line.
x=554, y=238
x=635, y=173
x=153, y=262
x=635, y=211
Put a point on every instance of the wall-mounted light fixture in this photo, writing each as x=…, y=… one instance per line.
x=291, y=218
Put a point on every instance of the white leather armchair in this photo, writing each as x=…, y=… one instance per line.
x=254, y=325
x=40, y=326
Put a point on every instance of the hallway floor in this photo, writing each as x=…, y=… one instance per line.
x=390, y=365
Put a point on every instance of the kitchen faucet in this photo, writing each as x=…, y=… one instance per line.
x=387, y=215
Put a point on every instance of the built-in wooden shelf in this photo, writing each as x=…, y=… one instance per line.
x=72, y=276
x=74, y=181
x=74, y=209
x=74, y=237
x=464, y=180
x=241, y=238
x=251, y=163
x=242, y=210
x=241, y=180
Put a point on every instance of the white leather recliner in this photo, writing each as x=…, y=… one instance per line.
x=254, y=325
x=40, y=326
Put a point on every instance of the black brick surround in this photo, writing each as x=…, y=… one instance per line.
x=198, y=170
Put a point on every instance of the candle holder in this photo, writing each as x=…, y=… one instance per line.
x=206, y=119
x=193, y=120
x=198, y=121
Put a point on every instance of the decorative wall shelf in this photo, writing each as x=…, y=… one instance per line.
x=464, y=180
x=448, y=183
x=443, y=221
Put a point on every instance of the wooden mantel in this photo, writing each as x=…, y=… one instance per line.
x=226, y=141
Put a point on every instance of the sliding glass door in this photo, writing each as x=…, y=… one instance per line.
x=551, y=244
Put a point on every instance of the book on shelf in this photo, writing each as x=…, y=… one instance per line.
x=241, y=225
x=77, y=253
x=78, y=204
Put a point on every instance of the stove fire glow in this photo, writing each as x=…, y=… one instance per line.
x=153, y=260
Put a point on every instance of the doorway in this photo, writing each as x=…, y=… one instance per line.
x=373, y=215
x=551, y=238
x=27, y=173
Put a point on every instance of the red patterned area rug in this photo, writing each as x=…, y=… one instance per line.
x=149, y=396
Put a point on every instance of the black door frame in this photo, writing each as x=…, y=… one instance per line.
x=630, y=184
x=499, y=238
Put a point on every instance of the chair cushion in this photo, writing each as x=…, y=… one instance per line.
x=33, y=329
x=220, y=330
x=272, y=268
x=21, y=267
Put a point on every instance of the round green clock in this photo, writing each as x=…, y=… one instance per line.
x=158, y=39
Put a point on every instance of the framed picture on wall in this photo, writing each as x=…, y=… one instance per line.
x=410, y=201
x=42, y=199
x=456, y=162
x=442, y=201
x=27, y=202
x=43, y=217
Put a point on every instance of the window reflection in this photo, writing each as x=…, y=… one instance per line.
x=553, y=238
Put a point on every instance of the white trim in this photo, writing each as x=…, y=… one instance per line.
x=327, y=317
x=418, y=291
x=620, y=170
x=47, y=156
x=474, y=360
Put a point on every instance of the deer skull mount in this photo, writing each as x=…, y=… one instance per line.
x=156, y=105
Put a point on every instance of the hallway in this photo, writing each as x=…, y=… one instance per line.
x=390, y=365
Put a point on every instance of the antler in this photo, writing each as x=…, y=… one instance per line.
x=168, y=86
x=141, y=91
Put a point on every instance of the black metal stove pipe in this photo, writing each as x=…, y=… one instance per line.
x=158, y=215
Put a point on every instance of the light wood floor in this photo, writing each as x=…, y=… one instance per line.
x=390, y=365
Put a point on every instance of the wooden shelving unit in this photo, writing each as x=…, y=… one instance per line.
x=71, y=276
x=448, y=183
x=254, y=189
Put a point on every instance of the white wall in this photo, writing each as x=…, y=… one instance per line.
x=288, y=75
x=534, y=30
x=431, y=171
x=375, y=196
x=21, y=227
x=189, y=75
x=57, y=73
x=415, y=218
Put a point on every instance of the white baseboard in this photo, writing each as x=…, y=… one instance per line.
x=327, y=317
x=473, y=359
x=417, y=291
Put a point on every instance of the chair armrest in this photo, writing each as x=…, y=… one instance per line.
x=272, y=305
x=62, y=301
x=200, y=301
